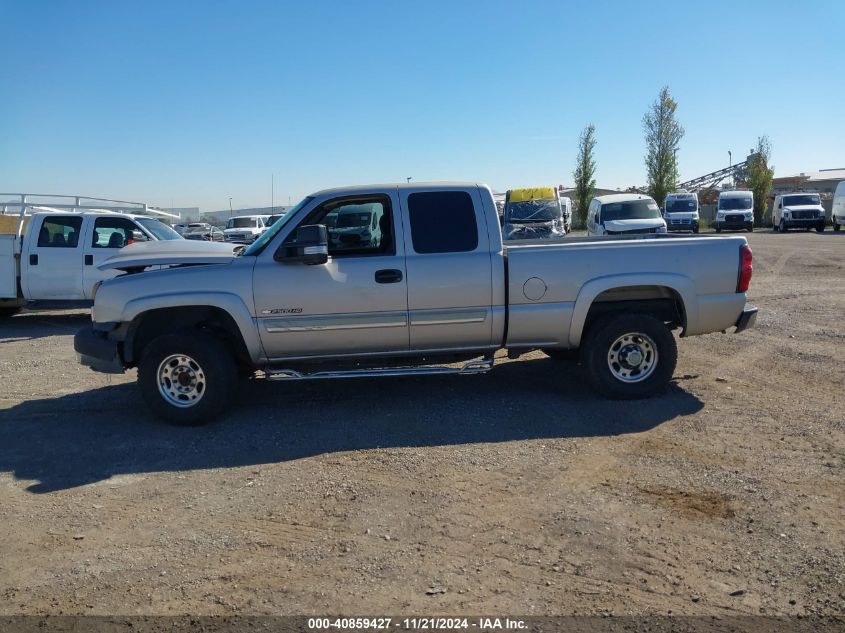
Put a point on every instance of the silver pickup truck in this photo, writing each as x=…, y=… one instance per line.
x=423, y=285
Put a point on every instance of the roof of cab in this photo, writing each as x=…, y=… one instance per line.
x=740, y=193
x=414, y=186
x=622, y=197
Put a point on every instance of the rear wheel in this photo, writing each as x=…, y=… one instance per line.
x=836, y=225
x=629, y=356
x=187, y=378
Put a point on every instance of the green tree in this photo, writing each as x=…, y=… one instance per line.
x=584, y=174
x=663, y=134
x=759, y=178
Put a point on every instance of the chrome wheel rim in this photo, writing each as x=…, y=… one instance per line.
x=632, y=357
x=181, y=381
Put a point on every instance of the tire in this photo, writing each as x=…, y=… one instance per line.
x=774, y=228
x=782, y=227
x=836, y=226
x=603, y=359
x=751, y=229
x=204, y=360
x=820, y=228
x=718, y=229
x=5, y=313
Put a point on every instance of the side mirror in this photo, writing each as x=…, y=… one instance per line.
x=309, y=246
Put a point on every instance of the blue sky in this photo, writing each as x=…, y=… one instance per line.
x=190, y=103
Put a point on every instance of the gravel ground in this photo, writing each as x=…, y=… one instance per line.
x=517, y=492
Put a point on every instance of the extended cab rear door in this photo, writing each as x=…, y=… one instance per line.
x=450, y=280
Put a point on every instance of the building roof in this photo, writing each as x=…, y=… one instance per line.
x=810, y=176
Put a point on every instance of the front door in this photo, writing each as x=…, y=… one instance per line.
x=109, y=234
x=356, y=303
x=51, y=267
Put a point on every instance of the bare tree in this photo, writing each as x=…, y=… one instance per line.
x=663, y=134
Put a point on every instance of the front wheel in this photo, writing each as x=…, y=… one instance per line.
x=187, y=378
x=782, y=226
x=820, y=228
x=629, y=356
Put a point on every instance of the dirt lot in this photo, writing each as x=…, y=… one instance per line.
x=517, y=492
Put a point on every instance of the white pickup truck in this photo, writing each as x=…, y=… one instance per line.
x=438, y=293
x=54, y=255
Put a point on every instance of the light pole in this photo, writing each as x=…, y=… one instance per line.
x=731, y=164
x=230, y=208
x=408, y=178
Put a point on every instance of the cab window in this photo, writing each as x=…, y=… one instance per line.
x=115, y=233
x=442, y=222
x=356, y=226
x=60, y=232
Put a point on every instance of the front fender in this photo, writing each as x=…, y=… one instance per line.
x=229, y=302
x=681, y=284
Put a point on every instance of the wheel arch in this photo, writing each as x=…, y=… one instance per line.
x=224, y=316
x=648, y=293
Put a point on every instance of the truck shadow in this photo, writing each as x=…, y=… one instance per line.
x=36, y=324
x=82, y=438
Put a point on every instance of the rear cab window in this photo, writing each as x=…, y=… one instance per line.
x=60, y=232
x=442, y=222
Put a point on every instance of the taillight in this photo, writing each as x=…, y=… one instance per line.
x=745, y=269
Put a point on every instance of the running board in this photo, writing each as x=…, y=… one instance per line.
x=477, y=366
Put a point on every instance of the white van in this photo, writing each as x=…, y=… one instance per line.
x=837, y=215
x=798, y=211
x=624, y=214
x=245, y=229
x=735, y=211
x=680, y=210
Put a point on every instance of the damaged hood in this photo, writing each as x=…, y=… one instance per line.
x=620, y=226
x=170, y=253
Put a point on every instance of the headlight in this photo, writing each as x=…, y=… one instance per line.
x=661, y=229
x=721, y=214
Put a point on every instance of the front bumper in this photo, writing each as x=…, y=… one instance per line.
x=681, y=225
x=97, y=351
x=735, y=225
x=803, y=223
x=747, y=319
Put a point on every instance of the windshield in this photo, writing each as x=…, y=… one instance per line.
x=734, y=204
x=159, y=229
x=645, y=209
x=349, y=220
x=677, y=205
x=242, y=223
x=533, y=211
x=274, y=218
x=258, y=245
x=796, y=201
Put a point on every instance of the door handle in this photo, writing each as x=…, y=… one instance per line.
x=33, y=260
x=388, y=276
x=89, y=260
